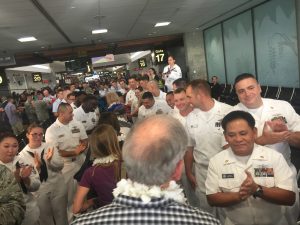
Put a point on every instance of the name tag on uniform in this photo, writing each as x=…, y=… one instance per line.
x=75, y=130
x=84, y=121
x=194, y=126
x=227, y=175
x=263, y=172
x=60, y=136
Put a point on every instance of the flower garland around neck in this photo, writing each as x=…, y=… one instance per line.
x=145, y=193
x=104, y=160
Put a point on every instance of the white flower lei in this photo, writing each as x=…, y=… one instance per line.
x=107, y=159
x=137, y=190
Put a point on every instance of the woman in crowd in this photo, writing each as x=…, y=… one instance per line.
x=104, y=173
x=25, y=173
x=113, y=101
x=52, y=194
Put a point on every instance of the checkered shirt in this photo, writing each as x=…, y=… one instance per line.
x=132, y=211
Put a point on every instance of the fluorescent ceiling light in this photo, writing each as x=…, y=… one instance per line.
x=135, y=54
x=27, y=39
x=161, y=24
x=41, y=67
x=99, y=31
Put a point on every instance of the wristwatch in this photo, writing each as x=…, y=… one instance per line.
x=259, y=192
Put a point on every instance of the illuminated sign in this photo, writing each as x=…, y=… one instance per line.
x=160, y=56
x=37, y=77
x=142, y=63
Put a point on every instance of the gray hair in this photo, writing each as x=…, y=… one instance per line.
x=153, y=148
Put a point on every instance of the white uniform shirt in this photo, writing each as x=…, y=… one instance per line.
x=130, y=97
x=88, y=120
x=276, y=109
x=175, y=73
x=55, y=105
x=54, y=166
x=65, y=137
x=159, y=107
x=176, y=114
x=268, y=168
x=162, y=96
x=205, y=135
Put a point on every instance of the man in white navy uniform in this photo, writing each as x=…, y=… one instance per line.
x=205, y=136
x=70, y=138
x=152, y=107
x=180, y=112
x=86, y=113
x=277, y=123
x=171, y=73
x=250, y=181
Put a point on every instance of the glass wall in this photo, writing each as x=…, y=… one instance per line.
x=262, y=41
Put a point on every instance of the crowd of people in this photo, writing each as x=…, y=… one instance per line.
x=135, y=152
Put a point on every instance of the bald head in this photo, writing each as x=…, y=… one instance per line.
x=152, y=86
x=153, y=148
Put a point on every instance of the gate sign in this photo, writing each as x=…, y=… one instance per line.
x=160, y=56
x=142, y=63
x=37, y=77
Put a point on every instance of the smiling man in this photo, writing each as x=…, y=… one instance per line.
x=250, y=181
x=277, y=123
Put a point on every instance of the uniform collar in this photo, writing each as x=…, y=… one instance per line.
x=256, y=155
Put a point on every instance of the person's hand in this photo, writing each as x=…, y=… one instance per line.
x=49, y=154
x=248, y=187
x=37, y=161
x=25, y=172
x=80, y=148
x=277, y=125
x=271, y=137
x=192, y=180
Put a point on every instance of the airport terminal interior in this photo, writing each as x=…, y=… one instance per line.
x=78, y=75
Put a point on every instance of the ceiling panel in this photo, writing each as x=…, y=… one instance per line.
x=125, y=20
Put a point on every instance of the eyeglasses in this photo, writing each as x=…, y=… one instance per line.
x=37, y=135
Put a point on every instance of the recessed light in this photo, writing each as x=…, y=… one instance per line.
x=197, y=28
x=43, y=47
x=73, y=7
x=99, y=31
x=27, y=39
x=161, y=24
x=85, y=38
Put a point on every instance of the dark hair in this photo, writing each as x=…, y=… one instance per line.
x=242, y=77
x=172, y=56
x=32, y=126
x=4, y=135
x=110, y=118
x=71, y=94
x=179, y=90
x=154, y=71
x=59, y=90
x=140, y=88
x=235, y=115
x=145, y=77
x=180, y=83
x=133, y=77
x=170, y=93
x=200, y=84
x=90, y=97
x=147, y=95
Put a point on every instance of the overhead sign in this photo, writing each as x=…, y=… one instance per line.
x=160, y=56
x=142, y=63
x=37, y=77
